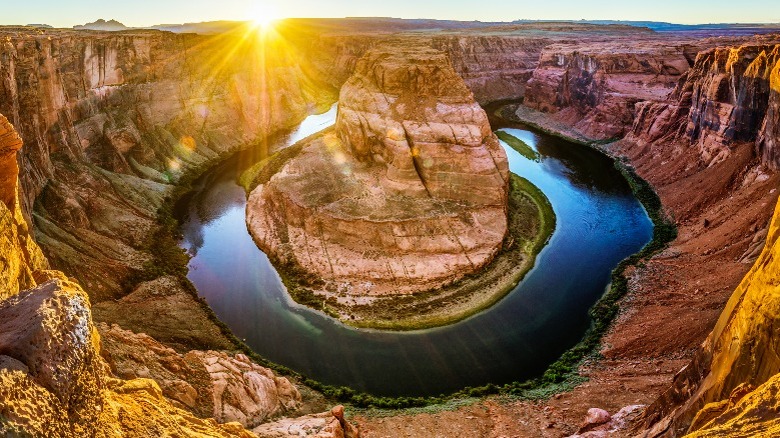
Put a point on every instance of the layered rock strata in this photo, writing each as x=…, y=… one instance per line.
x=213, y=384
x=594, y=87
x=112, y=121
x=408, y=193
x=730, y=96
x=708, y=133
x=55, y=380
x=741, y=353
x=20, y=256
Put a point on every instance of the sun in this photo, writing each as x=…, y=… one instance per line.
x=263, y=15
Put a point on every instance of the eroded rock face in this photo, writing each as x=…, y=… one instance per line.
x=323, y=425
x=749, y=413
x=211, y=384
x=20, y=256
x=408, y=192
x=112, y=120
x=407, y=109
x=10, y=143
x=50, y=347
x=54, y=382
x=741, y=350
x=730, y=96
x=594, y=87
x=246, y=392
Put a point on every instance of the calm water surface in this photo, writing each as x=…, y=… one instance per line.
x=599, y=223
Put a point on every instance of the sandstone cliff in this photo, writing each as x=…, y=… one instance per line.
x=112, y=121
x=730, y=96
x=20, y=256
x=712, y=136
x=594, y=87
x=407, y=194
x=717, y=391
x=54, y=382
x=495, y=63
x=55, y=379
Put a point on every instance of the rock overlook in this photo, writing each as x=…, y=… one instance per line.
x=407, y=194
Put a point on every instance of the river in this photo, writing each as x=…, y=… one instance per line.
x=599, y=223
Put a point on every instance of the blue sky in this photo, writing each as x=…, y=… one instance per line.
x=66, y=13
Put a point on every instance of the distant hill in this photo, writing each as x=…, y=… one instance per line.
x=387, y=24
x=101, y=24
x=46, y=26
x=704, y=29
x=206, y=27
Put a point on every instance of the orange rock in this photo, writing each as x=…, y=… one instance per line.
x=408, y=194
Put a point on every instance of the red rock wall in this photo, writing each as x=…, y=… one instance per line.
x=730, y=96
x=594, y=87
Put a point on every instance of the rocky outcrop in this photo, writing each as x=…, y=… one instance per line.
x=10, y=143
x=730, y=96
x=324, y=425
x=594, y=87
x=407, y=194
x=54, y=354
x=407, y=109
x=187, y=324
x=54, y=382
x=744, y=414
x=740, y=353
x=212, y=384
x=20, y=256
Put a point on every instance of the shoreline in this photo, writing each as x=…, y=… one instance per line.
x=606, y=309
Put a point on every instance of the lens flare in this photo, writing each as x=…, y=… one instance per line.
x=263, y=15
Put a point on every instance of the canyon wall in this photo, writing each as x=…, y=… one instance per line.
x=730, y=96
x=734, y=373
x=594, y=87
x=495, y=63
x=112, y=121
x=57, y=379
x=409, y=192
x=20, y=256
x=493, y=67
x=716, y=134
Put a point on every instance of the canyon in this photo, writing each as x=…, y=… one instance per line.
x=113, y=125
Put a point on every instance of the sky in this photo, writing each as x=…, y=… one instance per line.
x=138, y=13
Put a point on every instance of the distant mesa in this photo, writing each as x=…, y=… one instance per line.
x=101, y=24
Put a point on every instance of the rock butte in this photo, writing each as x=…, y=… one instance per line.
x=409, y=192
